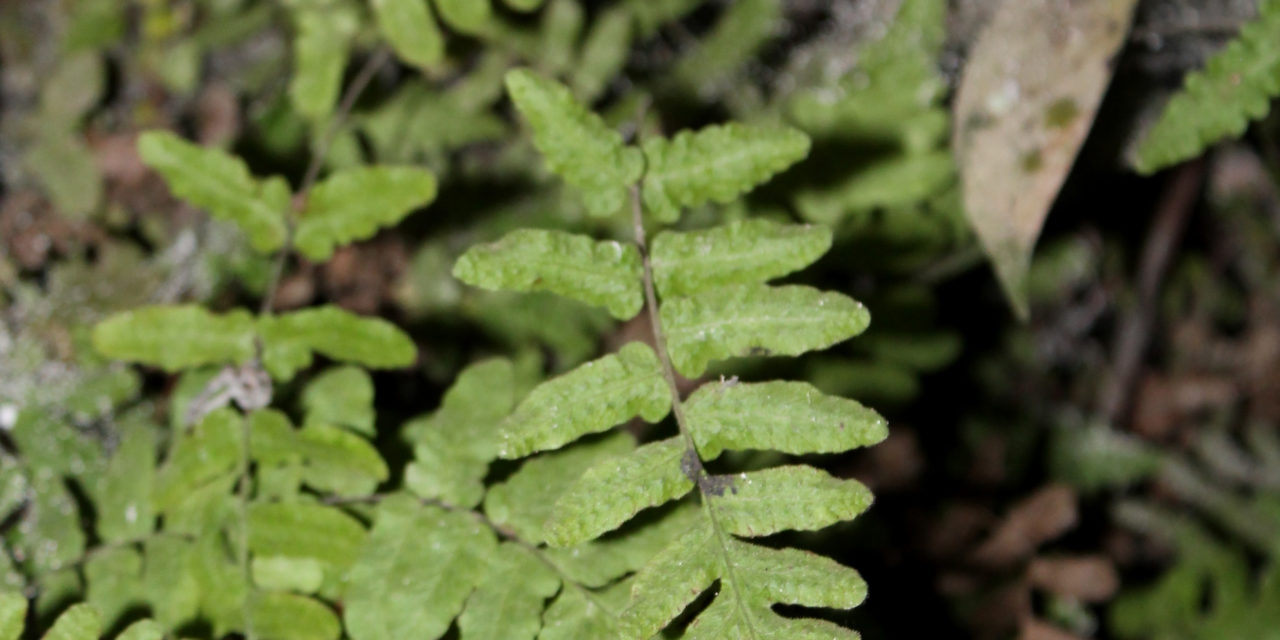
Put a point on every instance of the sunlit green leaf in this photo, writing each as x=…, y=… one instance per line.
x=288, y=340
x=303, y=530
x=284, y=573
x=292, y=617
x=354, y=203
x=575, y=142
x=591, y=398
x=338, y=461
x=176, y=337
x=80, y=622
x=673, y=579
x=13, y=613
x=744, y=320
x=221, y=184
x=599, y=562
x=792, y=417
x=605, y=273
x=740, y=252
x=142, y=630
x=342, y=396
x=760, y=503
x=718, y=163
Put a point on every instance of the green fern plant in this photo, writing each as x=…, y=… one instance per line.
x=1218, y=102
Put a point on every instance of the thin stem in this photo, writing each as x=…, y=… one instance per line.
x=692, y=461
x=339, y=118
x=246, y=572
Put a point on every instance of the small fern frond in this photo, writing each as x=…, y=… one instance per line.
x=1217, y=102
x=176, y=337
x=320, y=50
x=289, y=339
x=754, y=250
x=341, y=396
x=409, y=28
x=353, y=204
x=715, y=164
x=605, y=274
x=575, y=142
x=756, y=319
x=221, y=184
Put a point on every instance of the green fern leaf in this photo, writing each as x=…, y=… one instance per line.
x=13, y=614
x=220, y=184
x=319, y=57
x=508, y=604
x=418, y=567
x=896, y=181
x=113, y=583
x=718, y=163
x=338, y=461
x=742, y=29
x=791, y=417
x=123, y=506
x=341, y=396
x=724, y=620
x=525, y=5
x=282, y=573
x=577, y=614
x=740, y=252
x=211, y=452
x=576, y=143
x=749, y=319
x=601, y=561
x=168, y=581
x=613, y=491
x=304, y=530
x=292, y=617
x=353, y=204
x=525, y=500
x=454, y=445
x=797, y=497
x=176, y=337
x=80, y=622
x=605, y=274
x=604, y=53
x=465, y=16
x=289, y=339
x=142, y=630
x=409, y=29
x=673, y=579
x=1235, y=87
x=790, y=576
x=589, y=399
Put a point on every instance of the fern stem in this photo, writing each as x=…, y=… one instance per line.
x=246, y=571
x=336, y=121
x=698, y=473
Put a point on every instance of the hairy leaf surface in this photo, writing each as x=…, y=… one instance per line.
x=576, y=143
x=410, y=30
x=752, y=319
x=605, y=273
x=740, y=252
x=220, y=184
x=614, y=490
x=791, y=417
x=354, y=203
x=718, y=163
x=289, y=339
x=591, y=398
x=416, y=570
x=176, y=337
x=1235, y=87
x=454, y=446
x=796, y=497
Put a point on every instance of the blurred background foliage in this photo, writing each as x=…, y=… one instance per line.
x=1109, y=469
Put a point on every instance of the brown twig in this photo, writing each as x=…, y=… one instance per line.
x=1134, y=332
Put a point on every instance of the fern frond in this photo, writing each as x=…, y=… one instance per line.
x=142, y=630
x=80, y=622
x=741, y=30
x=320, y=50
x=293, y=617
x=208, y=454
x=123, y=507
x=509, y=603
x=575, y=142
x=219, y=183
x=754, y=319
x=289, y=339
x=1217, y=102
x=591, y=398
x=415, y=572
x=465, y=16
x=341, y=396
x=715, y=164
x=603, y=54
x=792, y=417
x=760, y=503
x=176, y=337
x=410, y=30
x=353, y=204
x=753, y=250
x=605, y=274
